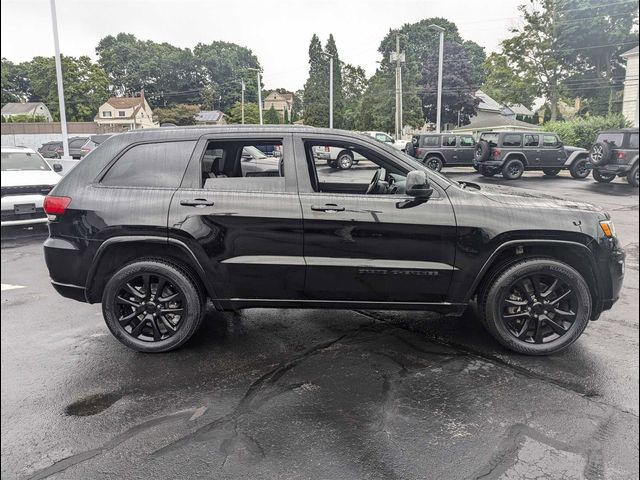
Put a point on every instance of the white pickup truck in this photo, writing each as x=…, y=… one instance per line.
x=344, y=159
x=388, y=139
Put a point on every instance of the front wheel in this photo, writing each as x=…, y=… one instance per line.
x=513, y=169
x=602, y=177
x=632, y=176
x=580, y=168
x=434, y=163
x=152, y=306
x=537, y=306
x=344, y=161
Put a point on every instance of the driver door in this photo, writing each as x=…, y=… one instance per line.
x=367, y=247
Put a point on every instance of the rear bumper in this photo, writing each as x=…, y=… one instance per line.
x=613, y=169
x=64, y=262
x=73, y=292
x=9, y=217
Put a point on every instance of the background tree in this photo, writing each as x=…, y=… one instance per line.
x=505, y=85
x=15, y=84
x=180, y=114
x=458, y=94
x=297, y=110
x=354, y=84
x=251, y=114
x=316, y=88
x=272, y=117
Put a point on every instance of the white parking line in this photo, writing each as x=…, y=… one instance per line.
x=7, y=286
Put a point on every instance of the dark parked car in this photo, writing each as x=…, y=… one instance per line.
x=153, y=224
x=511, y=153
x=50, y=149
x=440, y=150
x=615, y=154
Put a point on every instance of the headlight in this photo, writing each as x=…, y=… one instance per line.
x=608, y=228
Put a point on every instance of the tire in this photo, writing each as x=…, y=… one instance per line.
x=476, y=167
x=602, y=178
x=482, y=151
x=513, y=169
x=433, y=163
x=410, y=149
x=344, y=161
x=600, y=154
x=514, y=309
x=333, y=164
x=551, y=172
x=485, y=172
x=579, y=168
x=127, y=292
x=632, y=176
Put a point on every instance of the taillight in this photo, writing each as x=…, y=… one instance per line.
x=496, y=153
x=327, y=149
x=56, y=205
x=622, y=155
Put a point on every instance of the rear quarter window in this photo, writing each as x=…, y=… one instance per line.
x=491, y=138
x=159, y=165
x=633, y=141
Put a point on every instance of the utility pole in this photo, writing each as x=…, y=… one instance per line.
x=259, y=92
x=63, y=115
x=330, y=88
x=399, y=58
x=242, y=101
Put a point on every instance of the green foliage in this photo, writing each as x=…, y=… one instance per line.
x=286, y=117
x=458, y=97
x=25, y=118
x=181, y=114
x=582, y=132
x=505, y=85
x=316, y=88
x=354, y=84
x=271, y=117
x=251, y=113
x=14, y=83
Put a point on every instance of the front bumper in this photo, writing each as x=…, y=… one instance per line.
x=11, y=216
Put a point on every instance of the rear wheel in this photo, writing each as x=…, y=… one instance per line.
x=602, y=177
x=537, y=306
x=513, y=169
x=434, y=163
x=344, y=161
x=580, y=168
x=551, y=172
x=152, y=306
x=632, y=176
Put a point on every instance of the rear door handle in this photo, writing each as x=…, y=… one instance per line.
x=329, y=207
x=197, y=202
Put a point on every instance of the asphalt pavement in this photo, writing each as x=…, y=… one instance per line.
x=311, y=394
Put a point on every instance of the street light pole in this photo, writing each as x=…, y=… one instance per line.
x=330, y=88
x=242, y=102
x=257, y=70
x=440, y=62
x=63, y=115
x=399, y=58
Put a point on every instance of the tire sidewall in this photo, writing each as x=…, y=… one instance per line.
x=600, y=178
x=501, y=286
x=505, y=169
x=574, y=168
x=344, y=155
x=632, y=176
x=436, y=160
x=193, y=305
x=606, y=154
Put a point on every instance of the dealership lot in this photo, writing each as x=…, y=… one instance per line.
x=317, y=394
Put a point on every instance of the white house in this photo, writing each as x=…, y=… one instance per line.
x=128, y=112
x=27, y=108
x=630, y=95
x=280, y=102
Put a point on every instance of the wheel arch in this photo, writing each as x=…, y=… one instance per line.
x=516, y=155
x=434, y=153
x=574, y=254
x=118, y=251
x=578, y=155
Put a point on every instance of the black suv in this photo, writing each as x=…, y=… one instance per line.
x=437, y=150
x=511, y=153
x=153, y=223
x=615, y=154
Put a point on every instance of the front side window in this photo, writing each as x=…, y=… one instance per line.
x=512, y=140
x=159, y=165
x=449, y=141
x=467, y=142
x=550, y=141
x=244, y=165
x=17, y=161
x=381, y=137
x=531, y=140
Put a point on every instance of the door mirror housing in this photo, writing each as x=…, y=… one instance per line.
x=57, y=167
x=417, y=184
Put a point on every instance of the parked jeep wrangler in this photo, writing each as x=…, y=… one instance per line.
x=153, y=225
x=511, y=153
x=437, y=150
x=615, y=154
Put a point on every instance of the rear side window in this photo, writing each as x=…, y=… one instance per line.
x=633, y=141
x=431, y=141
x=449, y=141
x=512, y=140
x=491, y=138
x=531, y=140
x=151, y=165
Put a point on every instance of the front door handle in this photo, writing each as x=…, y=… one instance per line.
x=197, y=202
x=329, y=207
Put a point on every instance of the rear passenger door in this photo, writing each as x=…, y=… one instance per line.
x=244, y=225
x=531, y=147
x=450, y=149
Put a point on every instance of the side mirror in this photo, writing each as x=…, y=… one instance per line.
x=417, y=184
x=57, y=167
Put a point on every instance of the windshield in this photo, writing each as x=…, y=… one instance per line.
x=16, y=161
x=253, y=151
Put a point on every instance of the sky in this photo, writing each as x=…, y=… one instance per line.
x=278, y=32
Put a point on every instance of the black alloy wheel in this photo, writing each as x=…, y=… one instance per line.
x=434, y=163
x=539, y=308
x=580, y=168
x=149, y=307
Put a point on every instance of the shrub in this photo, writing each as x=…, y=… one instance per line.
x=582, y=132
